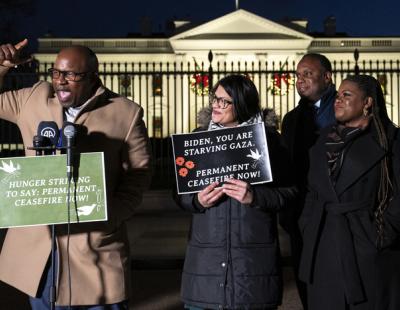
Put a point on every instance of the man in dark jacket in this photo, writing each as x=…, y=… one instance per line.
x=300, y=129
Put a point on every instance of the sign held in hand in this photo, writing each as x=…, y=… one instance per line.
x=205, y=157
x=34, y=191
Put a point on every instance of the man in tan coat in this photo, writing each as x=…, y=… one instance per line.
x=98, y=252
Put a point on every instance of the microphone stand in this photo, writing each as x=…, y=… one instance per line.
x=53, y=260
x=38, y=142
x=69, y=132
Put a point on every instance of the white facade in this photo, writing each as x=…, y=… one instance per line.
x=241, y=41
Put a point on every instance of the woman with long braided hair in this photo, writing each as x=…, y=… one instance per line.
x=351, y=221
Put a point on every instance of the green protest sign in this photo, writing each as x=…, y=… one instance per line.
x=34, y=190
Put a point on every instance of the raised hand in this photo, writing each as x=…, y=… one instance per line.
x=10, y=55
x=239, y=190
x=210, y=195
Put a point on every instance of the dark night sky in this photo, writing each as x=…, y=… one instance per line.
x=77, y=18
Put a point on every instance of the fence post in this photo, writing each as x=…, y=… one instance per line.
x=210, y=71
x=356, y=67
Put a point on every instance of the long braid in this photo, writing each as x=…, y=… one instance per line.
x=385, y=184
x=371, y=88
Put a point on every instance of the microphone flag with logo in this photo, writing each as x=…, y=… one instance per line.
x=48, y=130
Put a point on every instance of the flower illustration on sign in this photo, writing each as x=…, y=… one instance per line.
x=256, y=156
x=183, y=172
x=185, y=165
x=189, y=164
x=179, y=160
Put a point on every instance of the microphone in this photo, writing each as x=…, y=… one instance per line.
x=69, y=131
x=38, y=144
x=50, y=133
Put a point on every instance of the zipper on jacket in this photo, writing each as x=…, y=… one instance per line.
x=229, y=267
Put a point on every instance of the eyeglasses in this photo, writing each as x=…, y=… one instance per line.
x=68, y=75
x=221, y=102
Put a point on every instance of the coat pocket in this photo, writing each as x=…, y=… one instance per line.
x=363, y=228
x=256, y=227
x=207, y=228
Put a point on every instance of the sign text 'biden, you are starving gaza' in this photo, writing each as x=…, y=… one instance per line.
x=205, y=157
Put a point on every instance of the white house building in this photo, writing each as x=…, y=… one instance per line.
x=168, y=75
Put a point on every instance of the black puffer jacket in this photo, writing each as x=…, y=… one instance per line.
x=233, y=258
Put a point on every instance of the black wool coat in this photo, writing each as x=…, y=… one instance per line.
x=299, y=133
x=341, y=262
x=233, y=259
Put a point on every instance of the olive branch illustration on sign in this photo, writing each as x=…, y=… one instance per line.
x=10, y=170
x=86, y=210
x=256, y=156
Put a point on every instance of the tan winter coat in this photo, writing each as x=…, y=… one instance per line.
x=99, y=252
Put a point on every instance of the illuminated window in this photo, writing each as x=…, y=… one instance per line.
x=157, y=85
x=157, y=126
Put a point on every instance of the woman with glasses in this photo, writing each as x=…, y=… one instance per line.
x=351, y=220
x=232, y=259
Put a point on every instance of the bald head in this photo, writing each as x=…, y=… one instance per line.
x=79, y=79
x=83, y=55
